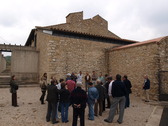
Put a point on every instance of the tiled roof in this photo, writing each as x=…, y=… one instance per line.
x=83, y=33
x=140, y=43
x=153, y=40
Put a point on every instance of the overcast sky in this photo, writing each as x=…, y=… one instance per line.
x=130, y=19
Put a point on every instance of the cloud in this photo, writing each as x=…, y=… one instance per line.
x=139, y=20
x=129, y=19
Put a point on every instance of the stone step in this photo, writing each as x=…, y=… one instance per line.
x=4, y=75
x=7, y=71
x=5, y=80
x=21, y=85
x=164, y=120
x=154, y=118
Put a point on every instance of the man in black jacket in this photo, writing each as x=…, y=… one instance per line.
x=128, y=87
x=52, y=98
x=118, y=94
x=78, y=100
x=146, y=88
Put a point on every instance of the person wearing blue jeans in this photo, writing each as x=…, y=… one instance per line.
x=64, y=101
x=93, y=95
x=64, y=112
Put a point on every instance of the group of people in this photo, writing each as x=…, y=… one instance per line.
x=61, y=96
x=98, y=91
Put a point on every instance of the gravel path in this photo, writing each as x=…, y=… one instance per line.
x=31, y=113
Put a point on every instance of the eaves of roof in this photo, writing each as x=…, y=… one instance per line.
x=31, y=35
x=87, y=34
x=156, y=40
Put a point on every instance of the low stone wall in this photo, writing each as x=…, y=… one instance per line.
x=24, y=61
x=24, y=65
x=135, y=62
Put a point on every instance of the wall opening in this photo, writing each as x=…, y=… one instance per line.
x=5, y=62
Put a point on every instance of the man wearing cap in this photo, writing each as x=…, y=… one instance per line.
x=78, y=100
x=68, y=76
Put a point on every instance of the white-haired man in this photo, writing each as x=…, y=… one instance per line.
x=78, y=100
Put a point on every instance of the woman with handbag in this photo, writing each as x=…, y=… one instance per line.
x=13, y=89
x=43, y=87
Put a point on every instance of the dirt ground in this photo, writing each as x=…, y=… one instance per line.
x=31, y=113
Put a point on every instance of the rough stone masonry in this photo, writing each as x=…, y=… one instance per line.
x=83, y=45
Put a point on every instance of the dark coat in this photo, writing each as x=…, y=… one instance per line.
x=102, y=91
x=64, y=96
x=128, y=85
x=146, y=84
x=52, y=94
x=13, y=86
x=118, y=89
x=106, y=85
x=88, y=79
x=78, y=96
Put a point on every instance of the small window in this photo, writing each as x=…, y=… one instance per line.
x=47, y=32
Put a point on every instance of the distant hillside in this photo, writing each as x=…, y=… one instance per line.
x=8, y=60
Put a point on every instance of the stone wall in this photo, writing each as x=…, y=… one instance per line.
x=135, y=62
x=2, y=63
x=24, y=61
x=59, y=55
x=74, y=17
x=163, y=53
x=24, y=64
x=42, y=43
x=64, y=55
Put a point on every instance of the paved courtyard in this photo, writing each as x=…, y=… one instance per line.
x=31, y=113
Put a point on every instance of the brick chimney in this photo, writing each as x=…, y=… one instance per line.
x=74, y=17
x=101, y=21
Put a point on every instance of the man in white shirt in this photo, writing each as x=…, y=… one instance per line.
x=79, y=77
x=110, y=88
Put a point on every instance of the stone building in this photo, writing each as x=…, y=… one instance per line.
x=77, y=45
x=87, y=45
